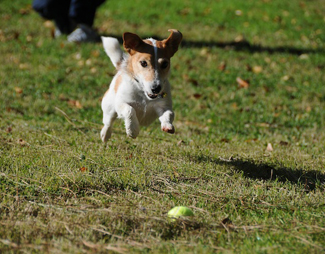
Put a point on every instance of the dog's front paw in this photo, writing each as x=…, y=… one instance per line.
x=168, y=127
x=132, y=131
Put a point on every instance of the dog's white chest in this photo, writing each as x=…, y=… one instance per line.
x=145, y=111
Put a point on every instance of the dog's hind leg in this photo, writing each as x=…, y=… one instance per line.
x=108, y=119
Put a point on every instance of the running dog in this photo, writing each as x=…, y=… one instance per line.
x=140, y=91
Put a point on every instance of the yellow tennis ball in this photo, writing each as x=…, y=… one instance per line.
x=178, y=211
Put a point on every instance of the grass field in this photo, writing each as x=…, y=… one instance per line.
x=248, y=156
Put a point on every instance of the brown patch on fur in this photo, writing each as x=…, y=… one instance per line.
x=118, y=83
x=164, y=50
x=133, y=43
x=134, y=66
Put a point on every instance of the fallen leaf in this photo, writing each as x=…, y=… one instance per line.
x=197, y=95
x=257, y=69
x=234, y=106
x=95, y=53
x=24, y=66
x=77, y=56
x=242, y=83
x=176, y=174
x=239, y=38
x=48, y=24
x=181, y=142
x=39, y=44
x=204, y=52
x=265, y=125
x=18, y=90
x=29, y=38
x=304, y=56
x=75, y=103
x=285, y=78
x=89, y=62
x=226, y=221
x=251, y=140
x=248, y=67
x=83, y=169
x=269, y=147
x=81, y=63
x=24, y=11
x=21, y=142
x=284, y=143
x=194, y=82
x=62, y=97
x=191, y=80
x=185, y=11
x=222, y=66
x=129, y=157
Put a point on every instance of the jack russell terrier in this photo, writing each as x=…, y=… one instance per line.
x=140, y=91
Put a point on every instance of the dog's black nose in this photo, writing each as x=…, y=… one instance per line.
x=156, y=89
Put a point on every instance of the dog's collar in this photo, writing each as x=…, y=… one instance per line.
x=162, y=95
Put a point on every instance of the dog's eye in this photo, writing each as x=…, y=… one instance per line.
x=144, y=64
x=164, y=65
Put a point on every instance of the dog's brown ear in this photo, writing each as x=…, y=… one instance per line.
x=173, y=41
x=131, y=42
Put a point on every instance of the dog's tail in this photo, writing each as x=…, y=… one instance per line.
x=113, y=50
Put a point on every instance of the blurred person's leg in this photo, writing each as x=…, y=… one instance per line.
x=83, y=13
x=57, y=10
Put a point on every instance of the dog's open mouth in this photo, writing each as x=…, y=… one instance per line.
x=159, y=95
x=152, y=96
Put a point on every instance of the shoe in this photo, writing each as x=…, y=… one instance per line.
x=83, y=33
x=64, y=26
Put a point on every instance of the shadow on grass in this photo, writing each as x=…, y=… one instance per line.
x=243, y=45
x=248, y=47
x=310, y=179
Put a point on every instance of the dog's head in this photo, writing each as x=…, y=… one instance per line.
x=149, y=61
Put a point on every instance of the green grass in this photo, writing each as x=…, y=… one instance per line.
x=63, y=191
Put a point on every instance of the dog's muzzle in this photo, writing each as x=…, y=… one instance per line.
x=154, y=95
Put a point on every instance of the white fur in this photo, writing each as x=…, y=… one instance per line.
x=130, y=101
x=112, y=49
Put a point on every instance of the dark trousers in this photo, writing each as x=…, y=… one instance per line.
x=63, y=12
